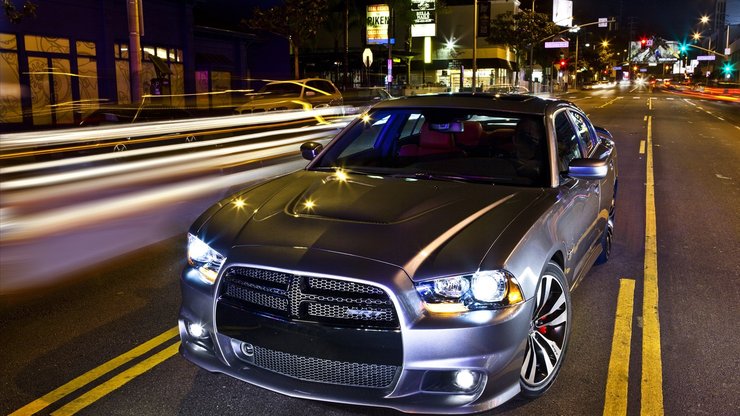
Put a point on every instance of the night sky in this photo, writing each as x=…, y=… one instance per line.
x=669, y=19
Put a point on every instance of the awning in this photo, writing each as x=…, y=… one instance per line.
x=483, y=63
x=160, y=66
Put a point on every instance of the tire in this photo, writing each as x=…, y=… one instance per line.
x=548, y=334
x=606, y=243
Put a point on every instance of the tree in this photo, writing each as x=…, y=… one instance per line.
x=521, y=31
x=296, y=20
x=15, y=15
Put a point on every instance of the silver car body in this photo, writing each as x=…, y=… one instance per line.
x=279, y=313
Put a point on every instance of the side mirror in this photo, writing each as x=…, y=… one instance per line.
x=588, y=168
x=310, y=150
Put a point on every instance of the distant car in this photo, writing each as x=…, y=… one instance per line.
x=299, y=94
x=589, y=85
x=365, y=97
x=133, y=114
x=422, y=261
x=127, y=114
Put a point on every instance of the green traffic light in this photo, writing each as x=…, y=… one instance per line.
x=683, y=47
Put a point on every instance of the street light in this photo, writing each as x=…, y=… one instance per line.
x=704, y=19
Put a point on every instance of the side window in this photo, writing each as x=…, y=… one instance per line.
x=412, y=126
x=367, y=136
x=584, y=132
x=568, y=148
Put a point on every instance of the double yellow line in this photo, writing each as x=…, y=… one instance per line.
x=651, y=391
x=108, y=386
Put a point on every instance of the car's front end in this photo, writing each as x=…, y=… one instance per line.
x=324, y=325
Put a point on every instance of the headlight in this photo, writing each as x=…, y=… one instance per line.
x=486, y=289
x=205, y=259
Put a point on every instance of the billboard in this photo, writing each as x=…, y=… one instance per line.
x=654, y=52
x=562, y=12
x=425, y=16
x=378, y=16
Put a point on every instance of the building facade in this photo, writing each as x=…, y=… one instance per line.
x=73, y=56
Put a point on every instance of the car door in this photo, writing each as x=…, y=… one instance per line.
x=319, y=93
x=599, y=149
x=579, y=199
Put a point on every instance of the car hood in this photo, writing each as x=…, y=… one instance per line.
x=428, y=228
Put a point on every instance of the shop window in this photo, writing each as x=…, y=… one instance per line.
x=46, y=44
x=85, y=48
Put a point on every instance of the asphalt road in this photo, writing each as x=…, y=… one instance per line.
x=81, y=344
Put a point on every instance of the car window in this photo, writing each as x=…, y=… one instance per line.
x=567, y=141
x=319, y=87
x=584, y=132
x=367, y=134
x=283, y=88
x=444, y=144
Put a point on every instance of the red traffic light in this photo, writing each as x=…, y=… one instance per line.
x=563, y=62
x=643, y=41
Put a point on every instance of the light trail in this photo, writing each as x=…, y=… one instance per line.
x=16, y=141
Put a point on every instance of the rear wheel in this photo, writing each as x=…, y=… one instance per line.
x=549, y=332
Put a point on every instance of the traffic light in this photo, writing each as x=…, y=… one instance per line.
x=563, y=63
x=643, y=42
x=727, y=69
x=682, y=48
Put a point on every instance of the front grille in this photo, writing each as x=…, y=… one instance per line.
x=325, y=371
x=309, y=298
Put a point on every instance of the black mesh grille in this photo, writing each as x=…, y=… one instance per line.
x=325, y=371
x=308, y=298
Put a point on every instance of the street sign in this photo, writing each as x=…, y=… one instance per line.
x=617, y=68
x=706, y=58
x=559, y=44
x=367, y=57
x=727, y=51
x=603, y=21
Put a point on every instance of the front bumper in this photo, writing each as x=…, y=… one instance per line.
x=408, y=368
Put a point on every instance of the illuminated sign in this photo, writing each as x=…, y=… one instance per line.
x=562, y=12
x=425, y=16
x=656, y=52
x=557, y=44
x=378, y=16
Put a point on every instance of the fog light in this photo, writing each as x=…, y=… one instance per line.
x=465, y=379
x=197, y=330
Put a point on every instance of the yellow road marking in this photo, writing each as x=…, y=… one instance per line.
x=642, y=147
x=116, y=382
x=651, y=400
x=93, y=374
x=615, y=402
x=609, y=102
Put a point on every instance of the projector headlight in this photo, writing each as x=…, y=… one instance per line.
x=485, y=289
x=206, y=260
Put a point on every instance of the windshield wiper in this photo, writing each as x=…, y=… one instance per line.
x=444, y=177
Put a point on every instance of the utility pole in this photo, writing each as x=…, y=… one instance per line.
x=134, y=49
x=346, y=43
x=475, y=42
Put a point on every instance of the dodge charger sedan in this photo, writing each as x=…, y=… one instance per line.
x=422, y=261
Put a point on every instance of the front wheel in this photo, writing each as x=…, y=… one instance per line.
x=549, y=331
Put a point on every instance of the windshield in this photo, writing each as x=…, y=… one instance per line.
x=283, y=88
x=443, y=144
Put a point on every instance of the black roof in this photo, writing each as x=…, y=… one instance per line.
x=518, y=103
